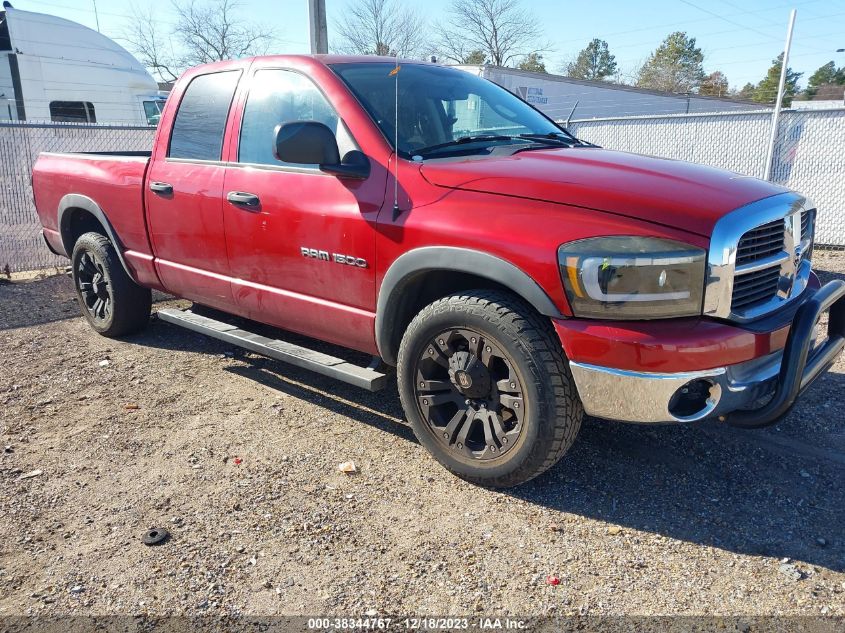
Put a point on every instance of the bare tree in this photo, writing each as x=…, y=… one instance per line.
x=453, y=46
x=714, y=85
x=381, y=27
x=212, y=31
x=502, y=29
x=204, y=32
x=152, y=44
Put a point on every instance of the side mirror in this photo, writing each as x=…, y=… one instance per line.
x=306, y=143
x=355, y=165
x=313, y=143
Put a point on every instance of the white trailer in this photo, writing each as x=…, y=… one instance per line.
x=556, y=96
x=52, y=69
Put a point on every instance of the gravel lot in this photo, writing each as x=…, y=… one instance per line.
x=238, y=457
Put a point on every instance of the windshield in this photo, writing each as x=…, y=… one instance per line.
x=443, y=108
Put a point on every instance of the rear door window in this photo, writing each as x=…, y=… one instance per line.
x=201, y=119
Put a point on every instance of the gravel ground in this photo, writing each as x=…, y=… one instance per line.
x=237, y=456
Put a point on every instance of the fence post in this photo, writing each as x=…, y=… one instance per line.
x=770, y=155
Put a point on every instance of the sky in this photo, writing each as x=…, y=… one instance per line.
x=738, y=37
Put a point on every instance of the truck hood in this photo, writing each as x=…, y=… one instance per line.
x=674, y=193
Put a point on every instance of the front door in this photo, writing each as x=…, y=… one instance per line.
x=301, y=243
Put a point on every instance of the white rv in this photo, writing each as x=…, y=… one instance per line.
x=52, y=69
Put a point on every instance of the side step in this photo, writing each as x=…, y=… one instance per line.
x=364, y=377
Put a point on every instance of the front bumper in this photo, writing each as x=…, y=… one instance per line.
x=752, y=393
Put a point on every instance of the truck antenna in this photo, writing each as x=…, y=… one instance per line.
x=395, y=73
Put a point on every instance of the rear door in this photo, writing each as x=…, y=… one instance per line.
x=184, y=193
x=304, y=257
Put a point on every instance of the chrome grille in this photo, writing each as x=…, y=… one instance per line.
x=762, y=256
x=759, y=257
x=759, y=243
x=755, y=288
x=808, y=225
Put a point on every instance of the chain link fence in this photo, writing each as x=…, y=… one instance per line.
x=21, y=245
x=809, y=153
x=809, y=157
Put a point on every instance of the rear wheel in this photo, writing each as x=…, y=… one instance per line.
x=486, y=387
x=111, y=302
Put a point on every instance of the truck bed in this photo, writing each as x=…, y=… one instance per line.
x=114, y=180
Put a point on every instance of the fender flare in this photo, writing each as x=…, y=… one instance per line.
x=448, y=258
x=79, y=201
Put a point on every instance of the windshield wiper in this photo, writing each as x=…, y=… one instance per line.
x=538, y=141
x=555, y=138
x=550, y=136
x=463, y=140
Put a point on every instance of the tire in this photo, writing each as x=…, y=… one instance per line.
x=111, y=302
x=486, y=387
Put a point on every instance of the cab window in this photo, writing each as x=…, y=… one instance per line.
x=281, y=96
x=201, y=119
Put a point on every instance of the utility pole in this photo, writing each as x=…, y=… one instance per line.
x=317, y=27
x=781, y=85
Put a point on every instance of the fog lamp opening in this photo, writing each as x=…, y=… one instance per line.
x=695, y=399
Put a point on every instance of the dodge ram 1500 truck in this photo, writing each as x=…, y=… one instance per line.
x=515, y=276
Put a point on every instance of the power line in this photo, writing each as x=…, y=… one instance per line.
x=799, y=44
x=723, y=18
x=687, y=22
x=127, y=16
x=728, y=48
x=736, y=6
x=85, y=10
x=749, y=28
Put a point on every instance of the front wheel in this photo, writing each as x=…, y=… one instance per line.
x=112, y=303
x=486, y=388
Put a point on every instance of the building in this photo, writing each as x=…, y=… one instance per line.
x=818, y=104
x=558, y=96
x=825, y=97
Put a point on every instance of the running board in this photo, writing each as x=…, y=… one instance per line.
x=364, y=377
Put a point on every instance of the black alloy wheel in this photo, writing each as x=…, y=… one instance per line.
x=486, y=387
x=112, y=303
x=470, y=394
x=93, y=286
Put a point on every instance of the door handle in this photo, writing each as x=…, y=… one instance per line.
x=242, y=198
x=162, y=188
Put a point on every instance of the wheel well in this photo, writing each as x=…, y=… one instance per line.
x=424, y=288
x=75, y=223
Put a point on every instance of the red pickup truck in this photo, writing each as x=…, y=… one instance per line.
x=514, y=275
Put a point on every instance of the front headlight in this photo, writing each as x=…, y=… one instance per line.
x=631, y=277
